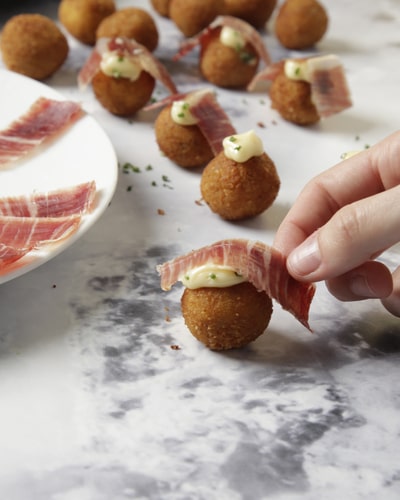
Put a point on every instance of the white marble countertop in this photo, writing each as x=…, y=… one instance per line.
x=95, y=404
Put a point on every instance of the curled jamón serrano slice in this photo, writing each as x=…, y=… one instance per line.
x=249, y=33
x=129, y=48
x=258, y=263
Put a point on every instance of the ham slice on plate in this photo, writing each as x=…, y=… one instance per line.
x=61, y=202
x=45, y=119
x=261, y=265
x=125, y=47
x=29, y=232
x=9, y=255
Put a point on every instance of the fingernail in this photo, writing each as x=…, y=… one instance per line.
x=361, y=288
x=306, y=258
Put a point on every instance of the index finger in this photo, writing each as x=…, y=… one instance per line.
x=365, y=174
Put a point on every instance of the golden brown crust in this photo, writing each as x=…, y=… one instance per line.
x=161, y=6
x=121, y=96
x=292, y=99
x=131, y=22
x=227, y=67
x=33, y=45
x=191, y=16
x=300, y=24
x=185, y=145
x=81, y=18
x=237, y=191
x=226, y=318
x=255, y=12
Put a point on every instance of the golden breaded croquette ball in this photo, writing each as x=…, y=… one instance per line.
x=81, y=18
x=185, y=145
x=300, y=24
x=226, y=66
x=255, y=12
x=226, y=318
x=292, y=99
x=33, y=45
x=131, y=22
x=191, y=16
x=161, y=6
x=122, y=96
x=239, y=190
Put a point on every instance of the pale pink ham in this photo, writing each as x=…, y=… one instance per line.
x=249, y=33
x=261, y=265
x=9, y=255
x=329, y=90
x=77, y=199
x=45, y=119
x=267, y=74
x=129, y=48
x=30, y=232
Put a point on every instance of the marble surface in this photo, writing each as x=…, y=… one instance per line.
x=95, y=404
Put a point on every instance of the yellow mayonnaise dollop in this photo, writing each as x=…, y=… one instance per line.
x=242, y=147
x=232, y=38
x=118, y=66
x=296, y=70
x=180, y=113
x=211, y=275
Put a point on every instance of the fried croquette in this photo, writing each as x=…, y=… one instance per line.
x=161, y=6
x=255, y=12
x=185, y=145
x=191, y=16
x=81, y=18
x=300, y=24
x=33, y=45
x=292, y=99
x=239, y=190
x=226, y=318
x=122, y=96
x=131, y=22
x=226, y=66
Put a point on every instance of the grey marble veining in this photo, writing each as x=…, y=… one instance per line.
x=104, y=393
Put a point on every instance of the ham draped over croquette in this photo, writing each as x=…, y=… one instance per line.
x=250, y=34
x=125, y=47
x=258, y=263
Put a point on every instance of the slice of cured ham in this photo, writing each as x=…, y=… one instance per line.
x=9, y=254
x=249, y=33
x=77, y=199
x=30, y=232
x=45, y=119
x=125, y=47
x=213, y=122
x=329, y=90
x=261, y=265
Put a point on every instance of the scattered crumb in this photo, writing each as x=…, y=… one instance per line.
x=199, y=202
x=261, y=124
x=175, y=347
x=160, y=211
x=54, y=286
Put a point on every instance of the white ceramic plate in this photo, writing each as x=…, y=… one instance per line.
x=81, y=153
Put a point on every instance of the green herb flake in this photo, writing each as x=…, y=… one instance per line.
x=238, y=148
x=213, y=276
x=232, y=138
x=129, y=167
x=149, y=167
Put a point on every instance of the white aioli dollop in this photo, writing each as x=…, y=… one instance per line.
x=113, y=64
x=180, y=113
x=211, y=276
x=296, y=70
x=242, y=147
x=232, y=38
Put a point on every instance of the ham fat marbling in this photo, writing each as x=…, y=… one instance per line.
x=45, y=119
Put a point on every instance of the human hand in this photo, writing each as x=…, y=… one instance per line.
x=342, y=220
